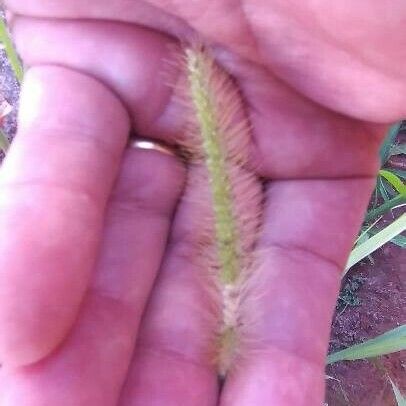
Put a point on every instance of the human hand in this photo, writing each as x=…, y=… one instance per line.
x=318, y=97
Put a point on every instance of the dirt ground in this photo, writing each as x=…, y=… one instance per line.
x=381, y=295
x=377, y=291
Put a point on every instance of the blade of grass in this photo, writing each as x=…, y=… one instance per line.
x=400, y=172
x=363, y=236
x=385, y=190
x=397, y=201
x=4, y=142
x=400, y=399
x=391, y=341
x=375, y=242
x=399, y=240
x=387, y=145
x=10, y=51
x=394, y=181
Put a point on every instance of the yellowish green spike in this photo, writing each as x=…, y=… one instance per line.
x=12, y=56
x=215, y=156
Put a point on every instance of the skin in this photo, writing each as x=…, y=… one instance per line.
x=88, y=231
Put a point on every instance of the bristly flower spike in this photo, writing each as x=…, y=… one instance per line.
x=217, y=139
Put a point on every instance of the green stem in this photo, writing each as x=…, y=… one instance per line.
x=378, y=240
x=10, y=51
x=206, y=112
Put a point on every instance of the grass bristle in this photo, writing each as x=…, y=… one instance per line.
x=217, y=140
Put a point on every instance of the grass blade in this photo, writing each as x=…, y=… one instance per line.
x=4, y=142
x=368, y=247
x=400, y=241
x=385, y=189
x=10, y=51
x=396, y=182
x=385, y=151
x=401, y=173
x=399, y=200
x=364, y=234
x=400, y=399
x=391, y=341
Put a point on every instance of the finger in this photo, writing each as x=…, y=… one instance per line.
x=140, y=71
x=309, y=229
x=142, y=60
x=314, y=58
x=173, y=361
x=90, y=367
x=140, y=12
x=295, y=137
x=54, y=185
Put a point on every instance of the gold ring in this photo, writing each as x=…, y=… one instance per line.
x=143, y=143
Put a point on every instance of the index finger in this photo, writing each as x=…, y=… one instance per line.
x=54, y=185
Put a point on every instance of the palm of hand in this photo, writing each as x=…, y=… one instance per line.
x=76, y=109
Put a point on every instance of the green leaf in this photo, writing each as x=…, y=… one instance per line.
x=4, y=142
x=391, y=341
x=399, y=172
x=385, y=189
x=372, y=244
x=399, y=240
x=397, y=201
x=364, y=234
x=400, y=399
x=385, y=151
x=10, y=51
x=395, y=181
x=363, y=237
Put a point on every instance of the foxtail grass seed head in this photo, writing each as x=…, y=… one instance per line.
x=218, y=138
